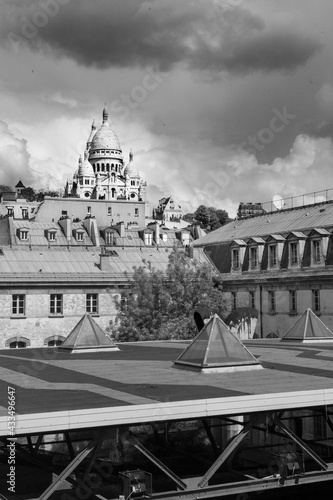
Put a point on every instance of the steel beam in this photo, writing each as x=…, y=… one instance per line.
x=232, y=446
x=77, y=460
x=159, y=464
x=300, y=443
x=244, y=487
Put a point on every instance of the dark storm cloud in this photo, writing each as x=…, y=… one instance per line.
x=125, y=33
x=318, y=131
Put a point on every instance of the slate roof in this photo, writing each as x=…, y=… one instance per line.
x=59, y=262
x=299, y=219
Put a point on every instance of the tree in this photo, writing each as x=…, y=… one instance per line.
x=6, y=189
x=223, y=216
x=211, y=218
x=202, y=215
x=161, y=305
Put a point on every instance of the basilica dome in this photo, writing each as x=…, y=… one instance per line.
x=131, y=169
x=85, y=169
x=105, y=137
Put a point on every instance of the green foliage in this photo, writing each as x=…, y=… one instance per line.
x=161, y=305
x=5, y=189
x=30, y=194
x=211, y=218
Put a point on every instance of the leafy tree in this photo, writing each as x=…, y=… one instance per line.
x=202, y=215
x=210, y=217
x=30, y=194
x=161, y=305
x=223, y=216
x=5, y=189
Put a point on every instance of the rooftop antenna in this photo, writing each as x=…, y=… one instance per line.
x=278, y=201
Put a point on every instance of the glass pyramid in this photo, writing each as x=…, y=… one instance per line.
x=88, y=335
x=308, y=327
x=215, y=346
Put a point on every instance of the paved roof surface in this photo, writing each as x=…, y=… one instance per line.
x=298, y=219
x=56, y=390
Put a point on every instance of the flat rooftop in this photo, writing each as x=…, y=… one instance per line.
x=57, y=391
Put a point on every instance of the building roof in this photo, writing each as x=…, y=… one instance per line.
x=88, y=336
x=137, y=385
x=298, y=219
x=58, y=264
x=308, y=328
x=216, y=349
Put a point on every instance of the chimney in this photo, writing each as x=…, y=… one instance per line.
x=90, y=224
x=156, y=228
x=65, y=225
x=104, y=261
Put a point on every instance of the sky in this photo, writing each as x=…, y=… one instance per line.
x=221, y=101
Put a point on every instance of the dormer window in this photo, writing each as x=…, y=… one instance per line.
x=272, y=256
x=24, y=213
x=316, y=251
x=23, y=233
x=164, y=237
x=255, y=252
x=294, y=257
x=318, y=242
x=51, y=234
x=109, y=237
x=235, y=259
x=148, y=238
x=253, y=258
x=296, y=245
x=79, y=235
x=275, y=243
x=10, y=211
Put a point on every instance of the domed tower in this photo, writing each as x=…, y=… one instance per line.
x=85, y=178
x=106, y=158
x=132, y=180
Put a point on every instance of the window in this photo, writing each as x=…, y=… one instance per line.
x=109, y=210
x=272, y=256
x=235, y=258
x=86, y=181
x=148, y=238
x=316, y=301
x=271, y=302
x=89, y=210
x=79, y=235
x=10, y=211
x=16, y=344
x=132, y=183
x=18, y=305
x=292, y=302
x=23, y=234
x=316, y=251
x=109, y=238
x=253, y=258
x=64, y=213
x=252, y=301
x=234, y=300
x=56, y=303
x=293, y=254
x=52, y=235
x=92, y=303
x=24, y=213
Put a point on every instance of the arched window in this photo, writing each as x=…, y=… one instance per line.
x=54, y=340
x=98, y=167
x=103, y=167
x=108, y=167
x=17, y=342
